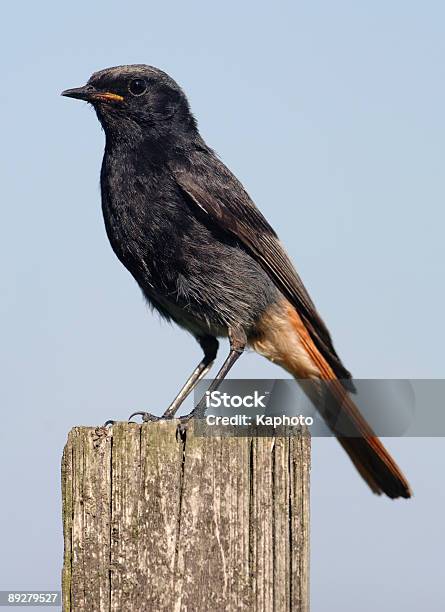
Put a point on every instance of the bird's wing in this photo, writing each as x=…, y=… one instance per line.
x=208, y=185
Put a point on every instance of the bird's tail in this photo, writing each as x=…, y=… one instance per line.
x=282, y=337
x=367, y=453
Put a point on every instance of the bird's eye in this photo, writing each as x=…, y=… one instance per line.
x=137, y=87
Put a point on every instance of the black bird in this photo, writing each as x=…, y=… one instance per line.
x=203, y=254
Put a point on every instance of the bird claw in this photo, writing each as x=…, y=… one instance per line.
x=147, y=417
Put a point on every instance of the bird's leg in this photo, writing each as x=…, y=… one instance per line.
x=238, y=341
x=209, y=345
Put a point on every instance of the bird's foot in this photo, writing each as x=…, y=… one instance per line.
x=197, y=413
x=181, y=430
x=147, y=417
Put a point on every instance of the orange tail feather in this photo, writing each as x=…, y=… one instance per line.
x=367, y=453
x=283, y=338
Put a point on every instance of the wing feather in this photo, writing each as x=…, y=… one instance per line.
x=208, y=185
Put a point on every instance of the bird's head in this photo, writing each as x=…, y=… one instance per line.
x=137, y=101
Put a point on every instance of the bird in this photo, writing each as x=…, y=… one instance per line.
x=206, y=258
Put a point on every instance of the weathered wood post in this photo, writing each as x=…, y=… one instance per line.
x=196, y=524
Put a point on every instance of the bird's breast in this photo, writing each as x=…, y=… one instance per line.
x=145, y=222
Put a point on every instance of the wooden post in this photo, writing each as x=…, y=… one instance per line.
x=156, y=523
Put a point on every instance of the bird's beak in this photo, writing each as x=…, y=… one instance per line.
x=90, y=94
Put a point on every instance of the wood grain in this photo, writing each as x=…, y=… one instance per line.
x=156, y=521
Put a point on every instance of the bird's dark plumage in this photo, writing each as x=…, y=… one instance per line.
x=202, y=253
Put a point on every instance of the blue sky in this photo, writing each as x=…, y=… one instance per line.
x=332, y=116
